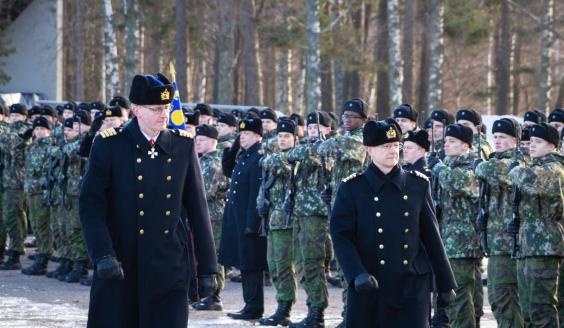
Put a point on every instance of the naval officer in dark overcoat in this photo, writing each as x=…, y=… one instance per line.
x=138, y=180
x=387, y=240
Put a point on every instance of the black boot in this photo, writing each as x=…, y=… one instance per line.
x=79, y=270
x=210, y=303
x=478, y=322
x=314, y=319
x=64, y=271
x=63, y=265
x=245, y=314
x=2, y=250
x=280, y=317
x=13, y=262
x=86, y=281
x=39, y=266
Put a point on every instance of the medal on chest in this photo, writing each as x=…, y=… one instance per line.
x=152, y=153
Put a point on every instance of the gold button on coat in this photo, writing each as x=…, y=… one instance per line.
x=405, y=197
x=141, y=213
x=382, y=262
x=380, y=230
x=376, y=199
x=405, y=262
x=167, y=213
x=141, y=231
x=378, y=214
x=168, y=178
x=141, y=195
x=139, y=177
x=138, y=160
x=168, y=195
x=166, y=232
x=381, y=246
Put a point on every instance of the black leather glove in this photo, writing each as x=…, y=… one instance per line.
x=365, y=282
x=433, y=160
x=445, y=299
x=207, y=284
x=326, y=195
x=512, y=228
x=27, y=134
x=96, y=124
x=109, y=268
x=475, y=163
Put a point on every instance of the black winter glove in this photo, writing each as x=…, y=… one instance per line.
x=365, y=282
x=27, y=134
x=109, y=268
x=445, y=299
x=207, y=284
x=433, y=160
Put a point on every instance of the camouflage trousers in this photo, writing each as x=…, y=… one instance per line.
x=75, y=239
x=58, y=226
x=461, y=312
x=216, y=228
x=15, y=219
x=537, y=278
x=40, y=220
x=310, y=234
x=280, y=256
x=561, y=296
x=503, y=292
x=479, y=293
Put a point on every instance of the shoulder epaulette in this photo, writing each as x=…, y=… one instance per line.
x=419, y=174
x=183, y=133
x=350, y=177
x=109, y=132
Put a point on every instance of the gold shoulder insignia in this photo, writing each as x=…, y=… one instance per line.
x=350, y=177
x=108, y=133
x=184, y=133
x=419, y=174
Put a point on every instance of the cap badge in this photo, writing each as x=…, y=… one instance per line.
x=165, y=95
x=391, y=133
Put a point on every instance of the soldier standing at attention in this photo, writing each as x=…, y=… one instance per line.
x=415, y=148
x=533, y=117
x=137, y=183
x=440, y=119
x=269, y=118
x=206, y=114
x=36, y=155
x=227, y=131
x=4, y=127
x=387, y=239
x=556, y=119
x=459, y=195
x=540, y=247
x=406, y=116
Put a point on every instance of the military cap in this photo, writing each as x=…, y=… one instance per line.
x=70, y=106
x=47, y=110
x=228, y=119
x=298, y=119
x=428, y=123
x=83, y=117
x=441, y=115
x=376, y=133
x=35, y=110
x=469, y=114
x=121, y=101
x=113, y=111
x=557, y=115
x=216, y=112
x=237, y=113
x=269, y=114
x=460, y=132
x=546, y=132
x=98, y=106
x=406, y=111
x=203, y=109
x=192, y=118
x=68, y=122
x=507, y=126
x=99, y=114
x=84, y=106
x=18, y=109
x=252, y=111
x=286, y=125
x=251, y=124
x=59, y=109
x=534, y=116
x=41, y=122
x=356, y=105
x=207, y=131
x=324, y=119
x=420, y=137
x=151, y=90
x=526, y=133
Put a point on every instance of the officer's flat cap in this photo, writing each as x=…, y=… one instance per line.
x=469, y=114
x=546, y=132
x=41, y=122
x=441, y=115
x=406, y=111
x=286, y=125
x=207, y=131
x=460, y=132
x=269, y=114
x=319, y=116
x=203, y=109
x=420, y=137
x=251, y=124
x=508, y=126
x=356, y=105
x=376, y=133
x=151, y=90
x=227, y=118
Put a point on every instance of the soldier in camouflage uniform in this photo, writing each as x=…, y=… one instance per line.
x=36, y=155
x=52, y=116
x=227, y=130
x=406, y=116
x=502, y=270
x=440, y=119
x=215, y=185
x=12, y=145
x=4, y=128
x=310, y=220
x=541, y=231
x=277, y=182
x=459, y=193
x=556, y=119
x=269, y=142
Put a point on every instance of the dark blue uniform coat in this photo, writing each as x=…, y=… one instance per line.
x=385, y=225
x=130, y=207
x=237, y=249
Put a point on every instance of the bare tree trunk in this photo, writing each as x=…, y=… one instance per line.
x=423, y=90
x=313, y=92
x=516, y=66
x=78, y=52
x=503, y=61
x=225, y=52
x=326, y=84
x=132, y=41
x=381, y=54
x=181, y=54
x=436, y=8
x=488, y=73
x=268, y=76
x=300, y=87
x=394, y=64
x=248, y=26
x=546, y=44
x=408, y=27
x=560, y=98
x=338, y=69
x=282, y=93
x=110, y=53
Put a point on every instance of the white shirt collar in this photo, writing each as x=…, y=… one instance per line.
x=149, y=138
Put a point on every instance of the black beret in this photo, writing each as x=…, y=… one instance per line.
x=207, y=131
x=420, y=137
x=534, y=116
x=47, y=110
x=35, y=110
x=526, y=133
x=227, y=118
x=286, y=125
x=59, y=109
x=460, y=132
x=324, y=118
x=469, y=114
x=68, y=122
x=406, y=111
x=84, y=106
x=376, y=133
x=269, y=114
x=546, y=132
x=356, y=105
x=18, y=109
x=113, y=111
x=557, y=115
x=192, y=118
x=121, y=101
x=237, y=113
x=507, y=126
x=41, y=122
x=98, y=106
x=251, y=124
x=83, y=117
x=151, y=90
x=70, y=106
x=204, y=109
x=442, y=116
x=298, y=119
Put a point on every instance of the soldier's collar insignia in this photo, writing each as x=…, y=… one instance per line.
x=391, y=133
x=165, y=95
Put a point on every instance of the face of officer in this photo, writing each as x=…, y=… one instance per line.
x=412, y=152
x=312, y=130
x=455, y=147
x=205, y=144
x=248, y=139
x=67, y=113
x=351, y=120
x=41, y=132
x=503, y=142
x=224, y=129
x=437, y=130
x=205, y=119
x=17, y=117
x=557, y=125
x=70, y=133
x=385, y=156
x=406, y=124
x=268, y=124
x=152, y=118
x=468, y=124
x=540, y=147
x=286, y=140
